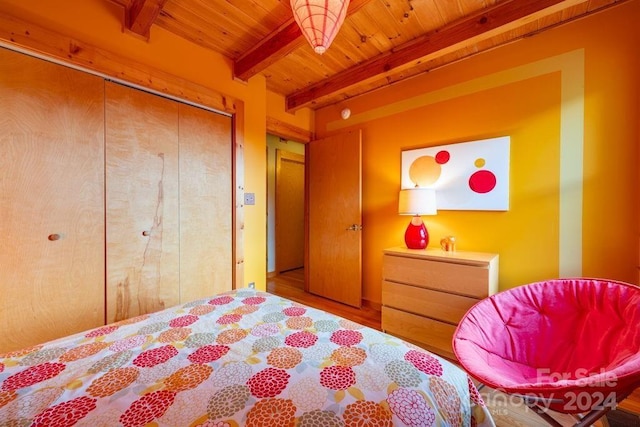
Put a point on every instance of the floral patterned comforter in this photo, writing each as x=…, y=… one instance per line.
x=239, y=358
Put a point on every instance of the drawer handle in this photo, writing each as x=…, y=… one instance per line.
x=53, y=237
x=146, y=233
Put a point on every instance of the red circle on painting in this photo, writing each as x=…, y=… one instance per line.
x=442, y=157
x=482, y=181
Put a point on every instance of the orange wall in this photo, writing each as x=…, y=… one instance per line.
x=568, y=98
x=98, y=23
x=480, y=97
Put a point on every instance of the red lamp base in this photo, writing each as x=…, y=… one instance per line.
x=416, y=236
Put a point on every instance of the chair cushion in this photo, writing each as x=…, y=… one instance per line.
x=558, y=335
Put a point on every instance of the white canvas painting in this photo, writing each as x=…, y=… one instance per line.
x=466, y=176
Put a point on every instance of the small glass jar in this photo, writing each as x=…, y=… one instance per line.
x=448, y=244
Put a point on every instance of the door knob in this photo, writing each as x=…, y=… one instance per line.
x=146, y=233
x=354, y=227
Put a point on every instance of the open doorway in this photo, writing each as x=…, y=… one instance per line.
x=285, y=210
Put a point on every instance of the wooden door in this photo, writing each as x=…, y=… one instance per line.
x=335, y=218
x=51, y=201
x=289, y=230
x=205, y=203
x=142, y=202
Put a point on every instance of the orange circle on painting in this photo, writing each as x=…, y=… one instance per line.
x=480, y=162
x=424, y=171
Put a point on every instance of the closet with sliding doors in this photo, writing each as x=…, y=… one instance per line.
x=114, y=202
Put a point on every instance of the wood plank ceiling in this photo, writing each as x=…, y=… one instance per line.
x=381, y=41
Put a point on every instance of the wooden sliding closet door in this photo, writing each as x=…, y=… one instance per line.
x=51, y=201
x=205, y=203
x=142, y=222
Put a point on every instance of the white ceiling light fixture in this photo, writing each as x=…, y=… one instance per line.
x=319, y=20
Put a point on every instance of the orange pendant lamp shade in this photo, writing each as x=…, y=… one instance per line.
x=319, y=20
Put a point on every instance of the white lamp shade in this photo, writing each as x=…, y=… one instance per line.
x=417, y=201
x=319, y=20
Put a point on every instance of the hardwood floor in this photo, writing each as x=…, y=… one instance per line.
x=632, y=403
x=290, y=285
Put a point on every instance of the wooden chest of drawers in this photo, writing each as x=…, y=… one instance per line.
x=425, y=293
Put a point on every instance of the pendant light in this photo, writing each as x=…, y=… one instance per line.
x=319, y=20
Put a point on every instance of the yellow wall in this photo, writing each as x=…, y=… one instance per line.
x=569, y=100
x=276, y=105
x=98, y=23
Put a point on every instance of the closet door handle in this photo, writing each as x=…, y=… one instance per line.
x=53, y=237
x=146, y=233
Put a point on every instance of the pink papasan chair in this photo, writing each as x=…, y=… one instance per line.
x=569, y=345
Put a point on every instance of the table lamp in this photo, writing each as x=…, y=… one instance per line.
x=417, y=201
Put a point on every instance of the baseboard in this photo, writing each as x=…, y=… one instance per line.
x=372, y=305
x=271, y=274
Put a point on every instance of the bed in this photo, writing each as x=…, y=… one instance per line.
x=239, y=358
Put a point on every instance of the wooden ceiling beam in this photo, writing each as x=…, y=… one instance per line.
x=270, y=50
x=465, y=30
x=277, y=45
x=141, y=14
